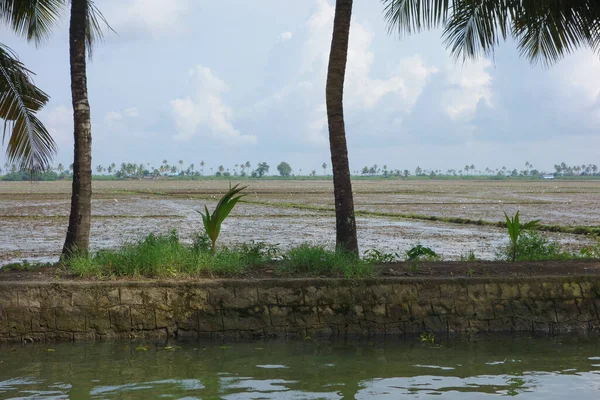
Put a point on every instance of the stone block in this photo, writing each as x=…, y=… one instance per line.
x=282, y=316
x=155, y=298
x=587, y=290
x=453, y=291
x=199, y=299
x=463, y=308
x=251, y=319
x=503, y=309
x=571, y=290
x=331, y=316
x=531, y=290
x=551, y=290
x=566, y=310
x=9, y=299
x=435, y=323
x=319, y=295
x=457, y=324
x=442, y=306
x=398, y=312
x=522, y=325
x=43, y=320
x=70, y=319
x=384, y=293
x=420, y=309
x=483, y=310
x=97, y=320
x=363, y=294
x=221, y=297
x=19, y=321
x=509, y=291
x=142, y=318
x=587, y=310
x=178, y=297
x=120, y=318
x=306, y=316
x=55, y=297
x=185, y=318
x=245, y=297
x=395, y=329
x=30, y=298
x=268, y=295
x=377, y=313
x=131, y=296
x=344, y=295
x=290, y=297
x=403, y=293
x=428, y=290
x=476, y=292
x=164, y=319
x=492, y=291
x=210, y=320
x=354, y=314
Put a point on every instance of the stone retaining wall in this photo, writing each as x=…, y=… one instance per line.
x=37, y=311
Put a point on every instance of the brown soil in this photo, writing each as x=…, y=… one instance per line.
x=423, y=270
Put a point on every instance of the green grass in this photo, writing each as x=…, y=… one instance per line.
x=166, y=256
x=316, y=260
x=531, y=246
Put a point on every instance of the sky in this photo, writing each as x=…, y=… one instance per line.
x=231, y=81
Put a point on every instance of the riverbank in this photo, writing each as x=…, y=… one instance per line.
x=544, y=297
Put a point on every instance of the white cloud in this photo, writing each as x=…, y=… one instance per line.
x=59, y=122
x=113, y=116
x=206, y=109
x=154, y=17
x=285, y=36
x=116, y=116
x=469, y=84
x=132, y=112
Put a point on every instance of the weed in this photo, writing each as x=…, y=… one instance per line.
x=316, y=260
x=427, y=337
x=470, y=256
x=470, y=272
x=212, y=222
x=420, y=252
x=516, y=229
x=532, y=246
x=375, y=256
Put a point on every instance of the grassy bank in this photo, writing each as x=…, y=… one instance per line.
x=165, y=255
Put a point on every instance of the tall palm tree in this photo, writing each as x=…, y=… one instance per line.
x=345, y=222
x=84, y=31
x=29, y=144
x=545, y=30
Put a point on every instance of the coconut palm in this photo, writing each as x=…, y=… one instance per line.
x=545, y=30
x=84, y=31
x=29, y=144
x=345, y=222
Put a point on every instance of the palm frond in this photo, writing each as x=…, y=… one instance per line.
x=412, y=16
x=475, y=27
x=33, y=19
x=29, y=143
x=545, y=30
x=93, y=26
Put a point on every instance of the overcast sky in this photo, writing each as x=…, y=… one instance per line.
x=231, y=81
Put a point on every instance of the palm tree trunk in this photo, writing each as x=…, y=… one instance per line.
x=345, y=222
x=78, y=232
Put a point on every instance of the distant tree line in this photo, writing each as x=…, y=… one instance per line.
x=11, y=172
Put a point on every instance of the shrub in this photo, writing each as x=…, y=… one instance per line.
x=316, y=260
x=532, y=246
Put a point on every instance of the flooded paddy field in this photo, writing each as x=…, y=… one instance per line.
x=34, y=216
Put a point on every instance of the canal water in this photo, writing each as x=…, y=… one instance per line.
x=490, y=366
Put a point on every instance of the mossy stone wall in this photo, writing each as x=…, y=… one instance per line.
x=44, y=311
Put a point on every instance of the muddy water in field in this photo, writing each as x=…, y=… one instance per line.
x=33, y=218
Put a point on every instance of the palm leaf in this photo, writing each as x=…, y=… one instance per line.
x=33, y=19
x=545, y=30
x=29, y=143
x=93, y=28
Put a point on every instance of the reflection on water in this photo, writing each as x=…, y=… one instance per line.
x=529, y=368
